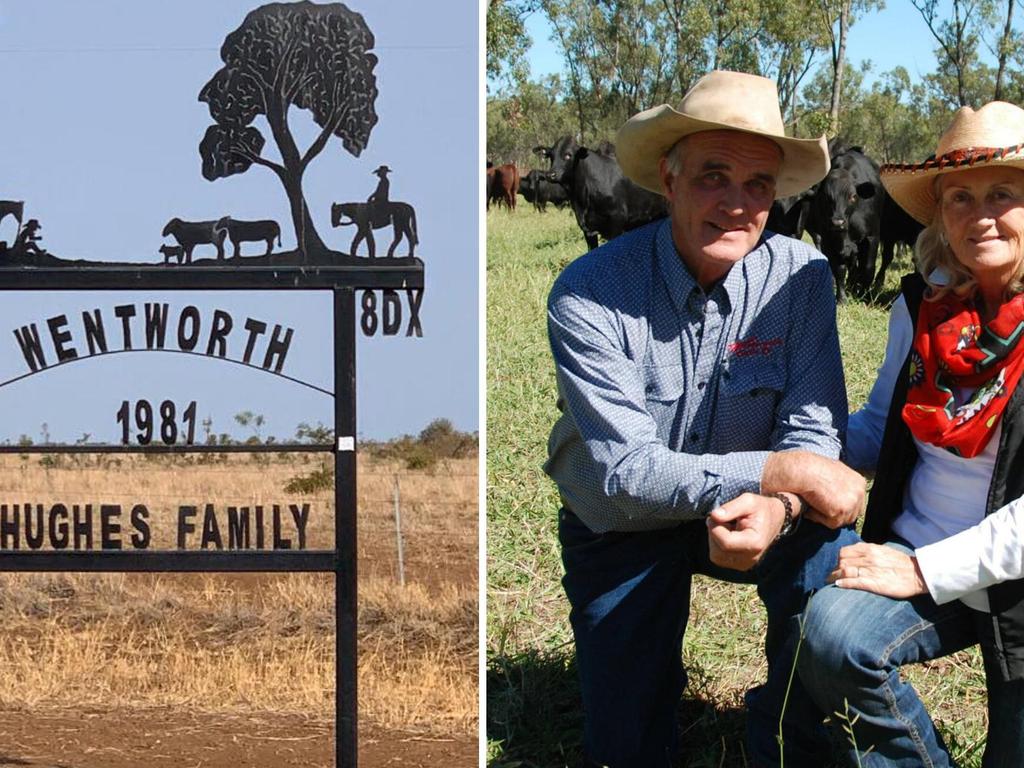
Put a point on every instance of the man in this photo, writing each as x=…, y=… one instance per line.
x=378, y=200
x=703, y=407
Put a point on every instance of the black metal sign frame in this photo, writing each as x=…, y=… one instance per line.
x=343, y=282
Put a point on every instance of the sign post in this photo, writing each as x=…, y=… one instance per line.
x=345, y=578
x=295, y=87
x=341, y=560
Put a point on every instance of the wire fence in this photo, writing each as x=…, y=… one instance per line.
x=407, y=514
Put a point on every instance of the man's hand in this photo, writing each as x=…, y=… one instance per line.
x=879, y=569
x=740, y=531
x=833, y=491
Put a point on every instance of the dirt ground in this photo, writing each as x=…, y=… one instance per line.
x=91, y=736
x=173, y=739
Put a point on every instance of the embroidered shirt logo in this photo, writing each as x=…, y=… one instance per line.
x=753, y=346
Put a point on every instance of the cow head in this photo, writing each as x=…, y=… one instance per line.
x=837, y=198
x=562, y=153
x=220, y=227
x=528, y=184
x=172, y=226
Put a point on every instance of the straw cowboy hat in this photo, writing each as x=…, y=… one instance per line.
x=720, y=100
x=994, y=135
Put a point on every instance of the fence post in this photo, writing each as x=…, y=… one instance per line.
x=398, y=532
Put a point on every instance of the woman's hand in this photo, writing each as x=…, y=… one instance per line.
x=879, y=569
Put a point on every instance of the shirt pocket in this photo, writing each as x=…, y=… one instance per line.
x=663, y=394
x=750, y=396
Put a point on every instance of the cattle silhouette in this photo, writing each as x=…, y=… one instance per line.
x=189, y=234
x=238, y=232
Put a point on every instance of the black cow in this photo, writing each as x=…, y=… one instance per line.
x=898, y=227
x=538, y=190
x=790, y=215
x=605, y=202
x=846, y=213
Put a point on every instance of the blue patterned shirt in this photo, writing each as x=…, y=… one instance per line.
x=671, y=398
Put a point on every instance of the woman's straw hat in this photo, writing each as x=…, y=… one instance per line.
x=720, y=100
x=992, y=135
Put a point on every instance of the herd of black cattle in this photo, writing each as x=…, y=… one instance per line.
x=848, y=214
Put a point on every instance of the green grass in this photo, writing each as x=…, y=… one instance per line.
x=534, y=716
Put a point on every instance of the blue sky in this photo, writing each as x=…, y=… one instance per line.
x=894, y=36
x=101, y=142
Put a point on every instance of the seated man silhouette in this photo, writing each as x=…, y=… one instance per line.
x=27, y=239
x=378, y=201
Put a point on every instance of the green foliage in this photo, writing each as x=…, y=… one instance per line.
x=892, y=119
x=439, y=440
x=305, y=433
x=320, y=479
x=51, y=460
x=533, y=115
x=622, y=56
x=506, y=39
x=254, y=422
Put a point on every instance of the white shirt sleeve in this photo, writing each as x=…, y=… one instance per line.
x=988, y=553
x=866, y=427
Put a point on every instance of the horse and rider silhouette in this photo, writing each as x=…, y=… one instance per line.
x=376, y=213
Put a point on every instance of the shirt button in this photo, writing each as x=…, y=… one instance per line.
x=711, y=307
x=700, y=385
x=694, y=437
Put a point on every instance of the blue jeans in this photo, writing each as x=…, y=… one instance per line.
x=630, y=598
x=854, y=645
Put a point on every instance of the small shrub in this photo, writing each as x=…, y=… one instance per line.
x=438, y=440
x=305, y=433
x=321, y=479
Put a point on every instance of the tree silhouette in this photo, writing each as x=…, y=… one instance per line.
x=314, y=57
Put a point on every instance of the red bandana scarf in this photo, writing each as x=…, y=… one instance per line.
x=952, y=348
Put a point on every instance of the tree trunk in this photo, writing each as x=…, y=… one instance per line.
x=961, y=52
x=306, y=236
x=838, y=65
x=1004, y=50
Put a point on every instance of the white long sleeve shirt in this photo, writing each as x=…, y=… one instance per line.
x=959, y=549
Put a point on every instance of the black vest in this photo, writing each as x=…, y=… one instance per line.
x=1003, y=633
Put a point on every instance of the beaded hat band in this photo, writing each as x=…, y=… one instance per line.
x=989, y=136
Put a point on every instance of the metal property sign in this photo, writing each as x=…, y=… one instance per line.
x=131, y=347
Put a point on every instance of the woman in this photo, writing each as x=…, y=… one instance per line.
x=944, y=431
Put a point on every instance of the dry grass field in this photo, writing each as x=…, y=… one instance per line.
x=238, y=669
